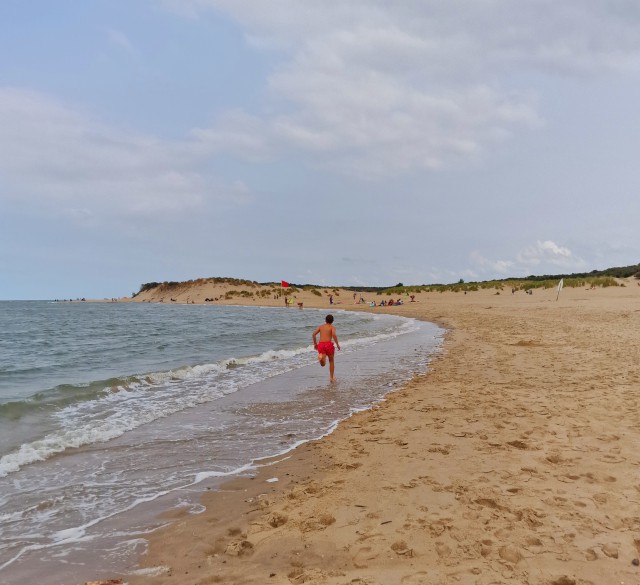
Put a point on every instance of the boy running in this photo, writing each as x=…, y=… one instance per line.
x=325, y=348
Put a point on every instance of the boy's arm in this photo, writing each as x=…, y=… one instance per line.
x=315, y=343
x=335, y=336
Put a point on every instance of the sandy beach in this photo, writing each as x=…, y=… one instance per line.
x=513, y=460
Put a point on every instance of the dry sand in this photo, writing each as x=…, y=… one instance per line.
x=515, y=459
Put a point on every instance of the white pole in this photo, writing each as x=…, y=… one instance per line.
x=560, y=285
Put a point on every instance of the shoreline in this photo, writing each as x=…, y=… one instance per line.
x=478, y=470
x=264, y=407
x=241, y=502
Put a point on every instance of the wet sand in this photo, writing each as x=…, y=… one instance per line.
x=513, y=460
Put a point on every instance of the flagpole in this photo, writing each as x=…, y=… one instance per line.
x=560, y=285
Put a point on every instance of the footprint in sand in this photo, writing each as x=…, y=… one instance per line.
x=600, y=498
x=300, y=575
x=315, y=523
x=348, y=466
x=485, y=547
x=239, y=548
x=590, y=554
x=612, y=459
x=519, y=445
x=443, y=550
x=563, y=580
x=362, y=557
x=554, y=457
x=510, y=554
x=534, y=544
x=276, y=519
x=421, y=578
x=567, y=478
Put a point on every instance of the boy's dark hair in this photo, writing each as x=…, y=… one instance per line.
x=329, y=319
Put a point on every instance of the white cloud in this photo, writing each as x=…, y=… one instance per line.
x=236, y=133
x=53, y=155
x=546, y=252
x=372, y=87
x=545, y=256
x=485, y=266
x=371, y=123
x=574, y=35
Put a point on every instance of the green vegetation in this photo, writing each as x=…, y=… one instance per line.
x=246, y=294
x=170, y=286
x=616, y=272
x=595, y=278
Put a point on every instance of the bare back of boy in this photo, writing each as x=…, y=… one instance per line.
x=327, y=333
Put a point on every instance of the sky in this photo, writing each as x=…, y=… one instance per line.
x=345, y=142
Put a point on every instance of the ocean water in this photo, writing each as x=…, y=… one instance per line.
x=111, y=413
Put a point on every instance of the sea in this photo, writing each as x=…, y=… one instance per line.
x=112, y=413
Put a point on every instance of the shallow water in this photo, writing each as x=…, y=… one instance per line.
x=177, y=399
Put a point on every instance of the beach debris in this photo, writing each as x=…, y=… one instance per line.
x=271, y=480
x=105, y=582
x=635, y=562
x=401, y=548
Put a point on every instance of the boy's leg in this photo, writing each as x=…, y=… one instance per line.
x=322, y=358
x=331, y=368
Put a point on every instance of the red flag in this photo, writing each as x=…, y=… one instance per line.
x=285, y=284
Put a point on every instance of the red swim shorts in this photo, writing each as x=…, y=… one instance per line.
x=326, y=347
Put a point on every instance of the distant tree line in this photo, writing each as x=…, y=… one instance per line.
x=616, y=272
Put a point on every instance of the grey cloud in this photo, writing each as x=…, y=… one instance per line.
x=573, y=34
x=52, y=154
x=544, y=256
x=383, y=88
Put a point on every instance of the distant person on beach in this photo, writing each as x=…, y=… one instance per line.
x=325, y=347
